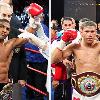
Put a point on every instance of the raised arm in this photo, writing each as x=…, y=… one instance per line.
x=42, y=44
x=60, y=53
x=19, y=41
x=12, y=43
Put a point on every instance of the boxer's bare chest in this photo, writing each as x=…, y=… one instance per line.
x=5, y=51
x=87, y=54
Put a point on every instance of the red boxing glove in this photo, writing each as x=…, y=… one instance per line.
x=69, y=35
x=34, y=9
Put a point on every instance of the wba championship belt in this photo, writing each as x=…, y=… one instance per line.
x=87, y=84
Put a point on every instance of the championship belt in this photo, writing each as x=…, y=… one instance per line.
x=16, y=50
x=87, y=84
x=6, y=93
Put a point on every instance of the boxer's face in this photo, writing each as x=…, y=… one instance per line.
x=4, y=30
x=67, y=24
x=89, y=34
x=5, y=13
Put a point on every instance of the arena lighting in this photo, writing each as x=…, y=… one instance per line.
x=98, y=4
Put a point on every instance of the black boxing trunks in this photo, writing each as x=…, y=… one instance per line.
x=87, y=84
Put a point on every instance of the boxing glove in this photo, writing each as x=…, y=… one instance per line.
x=67, y=37
x=34, y=9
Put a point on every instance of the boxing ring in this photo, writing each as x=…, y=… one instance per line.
x=38, y=71
x=7, y=91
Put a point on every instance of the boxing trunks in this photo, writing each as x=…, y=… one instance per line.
x=86, y=84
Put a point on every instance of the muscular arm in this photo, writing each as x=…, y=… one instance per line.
x=58, y=55
x=19, y=41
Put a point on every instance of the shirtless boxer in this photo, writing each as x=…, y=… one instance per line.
x=87, y=84
x=6, y=49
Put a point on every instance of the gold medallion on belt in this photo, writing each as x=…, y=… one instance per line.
x=87, y=84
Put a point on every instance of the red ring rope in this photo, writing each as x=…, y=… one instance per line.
x=35, y=89
x=37, y=71
x=34, y=51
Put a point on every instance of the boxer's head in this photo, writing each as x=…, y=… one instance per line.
x=88, y=31
x=83, y=20
x=67, y=23
x=4, y=28
x=5, y=11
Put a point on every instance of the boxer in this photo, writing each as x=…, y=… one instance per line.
x=87, y=63
x=6, y=48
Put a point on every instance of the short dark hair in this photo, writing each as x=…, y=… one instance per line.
x=3, y=21
x=66, y=18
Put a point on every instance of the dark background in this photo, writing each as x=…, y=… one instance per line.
x=76, y=9
x=19, y=5
x=59, y=8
